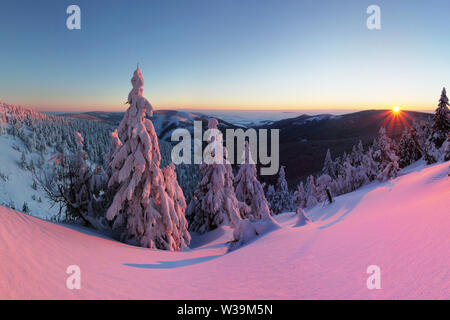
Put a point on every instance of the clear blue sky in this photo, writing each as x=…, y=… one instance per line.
x=225, y=53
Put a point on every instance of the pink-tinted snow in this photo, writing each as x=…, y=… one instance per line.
x=402, y=226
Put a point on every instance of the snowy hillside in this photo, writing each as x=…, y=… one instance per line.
x=29, y=139
x=16, y=183
x=401, y=225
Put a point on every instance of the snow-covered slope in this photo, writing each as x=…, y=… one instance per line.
x=402, y=226
x=16, y=183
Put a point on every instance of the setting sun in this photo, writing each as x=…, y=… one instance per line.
x=396, y=109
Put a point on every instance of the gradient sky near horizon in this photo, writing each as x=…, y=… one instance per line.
x=225, y=54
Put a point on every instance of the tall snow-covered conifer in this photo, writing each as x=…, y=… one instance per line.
x=148, y=205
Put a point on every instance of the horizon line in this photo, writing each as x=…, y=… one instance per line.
x=222, y=108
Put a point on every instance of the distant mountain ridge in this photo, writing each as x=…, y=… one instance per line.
x=164, y=121
x=304, y=139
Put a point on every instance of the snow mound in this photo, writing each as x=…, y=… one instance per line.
x=401, y=225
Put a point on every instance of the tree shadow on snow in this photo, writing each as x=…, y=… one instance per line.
x=343, y=209
x=173, y=264
x=208, y=240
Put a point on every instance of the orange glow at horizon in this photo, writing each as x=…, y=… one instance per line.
x=116, y=105
x=394, y=120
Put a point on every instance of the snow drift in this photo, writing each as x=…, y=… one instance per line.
x=401, y=225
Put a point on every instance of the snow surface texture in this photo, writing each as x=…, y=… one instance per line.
x=401, y=225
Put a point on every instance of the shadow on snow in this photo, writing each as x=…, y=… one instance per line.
x=173, y=264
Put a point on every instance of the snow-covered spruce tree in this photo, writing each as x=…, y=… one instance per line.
x=25, y=208
x=302, y=218
x=68, y=184
x=214, y=202
x=357, y=154
x=352, y=177
x=177, y=201
x=337, y=164
x=441, y=121
x=431, y=153
x=143, y=209
x=282, y=201
x=82, y=174
x=270, y=197
x=249, y=189
x=23, y=160
x=300, y=196
x=408, y=149
x=97, y=194
x=3, y=124
x=384, y=156
x=369, y=165
x=311, y=193
x=84, y=189
x=329, y=166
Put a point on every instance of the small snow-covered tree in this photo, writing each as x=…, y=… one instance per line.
x=67, y=184
x=142, y=208
x=311, y=193
x=408, y=149
x=2, y=125
x=270, y=196
x=369, y=165
x=384, y=156
x=176, y=201
x=340, y=163
x=79, y=191
x=23, y=160
x=214, y=202
x=357, y=154
x=337, y=164
x=302, y=218
x=98, y=203
x=249, y=189
x=352, y=177
x=25, y=208
x=300, y=196
x=329, y=166
x=282, y=199
x=431, y=153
